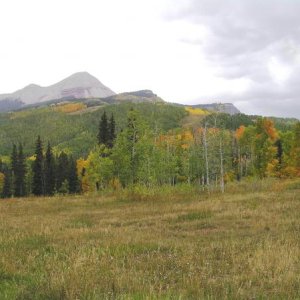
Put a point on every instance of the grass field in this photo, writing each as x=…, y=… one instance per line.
x=170, y=244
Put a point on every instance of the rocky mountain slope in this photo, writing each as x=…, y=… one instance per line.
x=78, y=86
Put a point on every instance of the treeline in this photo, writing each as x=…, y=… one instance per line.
x=42, y=175
x=208, y=155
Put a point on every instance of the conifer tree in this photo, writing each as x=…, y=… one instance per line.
x=14, y=168
x=49, y=172
x=103, y=134
x=73, y=177
x=112, y=131
x=38, y=169
x=6, y=192
x=20, y=173
x=62, y=170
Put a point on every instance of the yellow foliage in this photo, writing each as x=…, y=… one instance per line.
x=196, y=111
x=31, y=158
x=115, y=184
x=70, y=107
x=272, y=167
x=81, y=171
x=187, y=136
x=229, y=177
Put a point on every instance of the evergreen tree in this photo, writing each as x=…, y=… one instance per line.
x=111, y=131
x=38, y=169
x=50, y=179
x=20, y=173
x=62, y=170
x=103, y=134
x=14, y=168
x=73, y=177
x=6, y=192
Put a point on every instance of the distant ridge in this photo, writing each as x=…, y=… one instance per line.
x=80, y=85
x=135, y=97
x=84, y=86
x=227, y=108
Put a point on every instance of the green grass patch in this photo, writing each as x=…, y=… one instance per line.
x=195, y=216
x=82, y=221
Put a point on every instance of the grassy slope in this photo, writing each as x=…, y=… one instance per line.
x=244, y=244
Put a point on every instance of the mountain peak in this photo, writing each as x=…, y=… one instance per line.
x=32, y=86
x=79, y=85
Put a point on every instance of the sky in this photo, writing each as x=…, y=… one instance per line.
x=188, y=51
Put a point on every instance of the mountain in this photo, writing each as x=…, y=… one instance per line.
x=7, y=105
x=83, y=86
x=227, y=108
x=135, y=97
x=80, y=85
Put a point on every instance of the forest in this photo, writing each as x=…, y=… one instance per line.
x=149, y=146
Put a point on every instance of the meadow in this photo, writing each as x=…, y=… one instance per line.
x=168, y=243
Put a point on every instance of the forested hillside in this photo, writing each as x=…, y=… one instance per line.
x=72, y=127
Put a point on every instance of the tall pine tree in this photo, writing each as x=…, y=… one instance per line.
x=103, y=133
x=14, y=168
x=20, y=173
x=50, y=179
x=73, y=177
x=6, y=192
x=62, y=170
x=38, y=169
x=111, y=131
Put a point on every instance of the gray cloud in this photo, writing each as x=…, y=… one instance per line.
x=244, y=38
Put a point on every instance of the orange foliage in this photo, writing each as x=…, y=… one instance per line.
x=270, y=129
x=240, y=132
x=182, y=140
x=70, y=107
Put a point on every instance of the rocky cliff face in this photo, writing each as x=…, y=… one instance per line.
x=79, y=85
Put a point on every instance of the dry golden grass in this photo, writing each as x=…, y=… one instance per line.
x=169, y=244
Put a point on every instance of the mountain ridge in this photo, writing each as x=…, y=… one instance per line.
x=78, y=85
x=84, y=86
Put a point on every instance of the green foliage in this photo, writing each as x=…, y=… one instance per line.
x=226, y=121
x=7, y=189
x=20, y=174
x=38, y=183
x=73, y=177
x=62, y=170
x=76, y=133
x=50, y=178
x=64, y=187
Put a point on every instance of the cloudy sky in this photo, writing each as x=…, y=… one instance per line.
x=189, y=51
